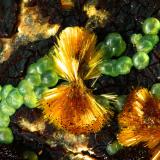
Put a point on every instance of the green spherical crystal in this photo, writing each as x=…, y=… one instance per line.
x=119, y=103
x=113, y=148
x=4, y=120
x=6, y=90
x=25, y=87
x=32, y=69
x=45, y=64
x=49, y=79
x=6, y=136
x=15, y=99
x=115, y=45
x=154, y=39
x=135, y=38
x=108, y=67
x=0, y=92
x=151, y=26
x=6, y=109
x=140, y=60
x=155, y=90
x=102, y=47
x=34, y=79
x=29, y=155
x=30, y=100
x=144, y=45
x=40, y=90
x=124, y=65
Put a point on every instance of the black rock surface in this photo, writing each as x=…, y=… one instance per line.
x=126, y=18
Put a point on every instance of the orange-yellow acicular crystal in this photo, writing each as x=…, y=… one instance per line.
x=71, y=106
x=140, y=120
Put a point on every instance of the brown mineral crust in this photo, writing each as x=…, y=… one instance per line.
x=58, y=14
x=31, y=26
x=14, y=69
